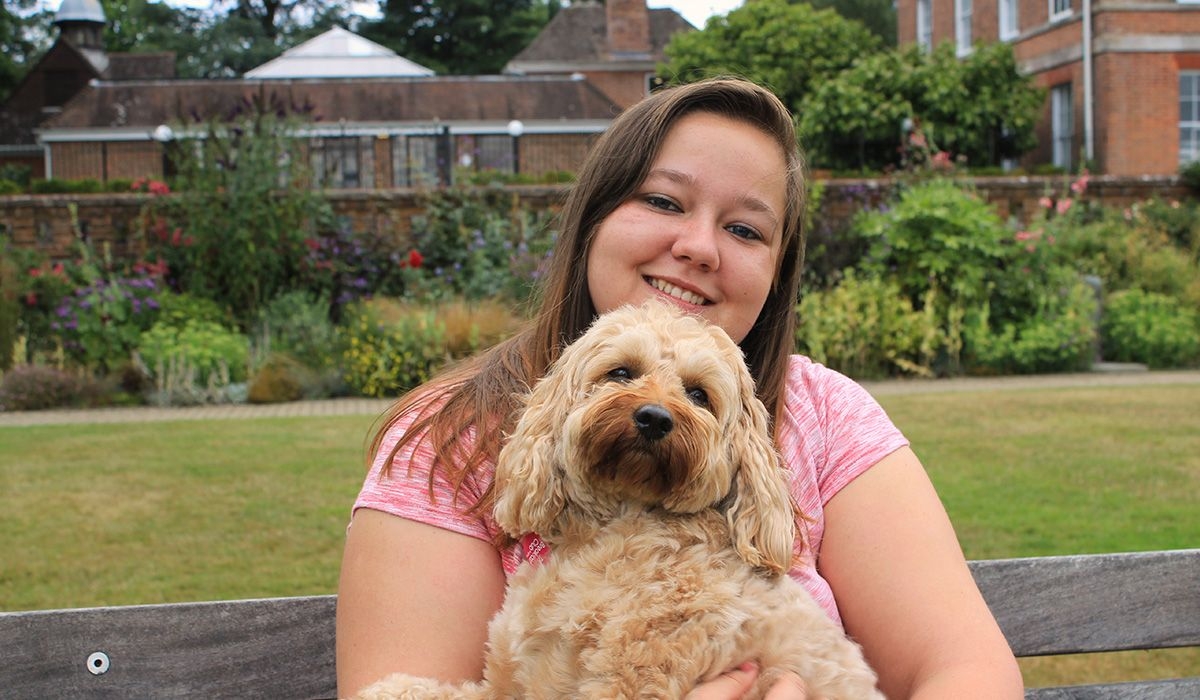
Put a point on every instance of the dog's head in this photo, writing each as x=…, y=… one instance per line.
x=655, y=408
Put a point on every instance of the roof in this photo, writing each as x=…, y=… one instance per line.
x=138, y=107
x=577, y=35
x=338, y=53
x=80, y=11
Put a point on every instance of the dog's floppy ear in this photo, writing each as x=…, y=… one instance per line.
x=761, y=515
x=530, y=492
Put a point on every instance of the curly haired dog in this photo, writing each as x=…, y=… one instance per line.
x=646, y=462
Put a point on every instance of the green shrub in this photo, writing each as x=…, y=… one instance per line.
x=209, y=350
x=1151, y=328
x=389, y=349
x=10, y=187
x=1058, y=337
x=36, y=387
x=867, y=329
x=10, y=309
x=58, y=186
x=298, y=323
x=280, y=378
x=176, y=310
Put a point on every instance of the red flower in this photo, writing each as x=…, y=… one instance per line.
x=35, y=272
x=31, y=299
x=415, y=259
x=312, y=244
x=159, y=188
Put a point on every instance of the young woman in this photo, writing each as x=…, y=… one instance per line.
x=694, y=196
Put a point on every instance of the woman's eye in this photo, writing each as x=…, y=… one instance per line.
x=743, y=231
x=620, y=374
x=698, y=396
x=660, y=202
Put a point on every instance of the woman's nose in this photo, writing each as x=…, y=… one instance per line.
x=696, y=242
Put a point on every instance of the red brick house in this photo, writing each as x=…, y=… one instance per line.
x=1122, y=76
x=615, y=46
x=374, y=129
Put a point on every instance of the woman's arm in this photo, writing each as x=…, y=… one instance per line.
x=413, y=598
x=905, y=592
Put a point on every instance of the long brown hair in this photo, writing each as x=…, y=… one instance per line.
x=480, y=396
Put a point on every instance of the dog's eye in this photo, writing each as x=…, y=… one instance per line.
x=698, y=396
x=620, y=374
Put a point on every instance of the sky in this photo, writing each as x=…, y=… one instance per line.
x=694, y=11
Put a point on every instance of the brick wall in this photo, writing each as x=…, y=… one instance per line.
x=44, y=221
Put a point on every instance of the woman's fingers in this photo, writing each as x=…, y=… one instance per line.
x=730, y=685
x=789, y=687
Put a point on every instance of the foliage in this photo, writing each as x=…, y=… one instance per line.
x=477, y=244
x=244, y=200
x=1152, y=328
x=467, y=37
x=388, y=349
x=39, y=387
x=24, y=33
x=981, y=108
x=280, y=378
x=100, y=322
x=470, y=326
x=208, y=350
x=1190, y=175
x=10, y=307
x=344, y=266
x=867, y=329
x=790, y=48
x=1058, y=336
x=936, y=237
x=878, y=16
x=298, y=323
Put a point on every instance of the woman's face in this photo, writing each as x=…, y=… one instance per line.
x=702, y=231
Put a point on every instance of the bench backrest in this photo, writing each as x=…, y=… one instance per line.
x=284, y=647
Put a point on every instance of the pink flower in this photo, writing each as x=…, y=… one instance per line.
x=1025, y=235
x=1063, y=205
x=159, y=188
x=1046, y=202
x=1080, y=185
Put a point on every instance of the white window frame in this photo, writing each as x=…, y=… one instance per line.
x=1062, y=125
x=1009, y=24
x=962, y=26
x=1059, y=9
x=925, y=24
x=1189, y=129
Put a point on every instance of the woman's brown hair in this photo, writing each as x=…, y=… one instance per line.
x=480, y=396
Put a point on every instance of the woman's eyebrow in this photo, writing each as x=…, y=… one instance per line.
x=749, y=201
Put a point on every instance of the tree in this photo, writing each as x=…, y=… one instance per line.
x=790, y=48
x=462, y=37
x=24, y=33
x=878, y=16
x=980, y=108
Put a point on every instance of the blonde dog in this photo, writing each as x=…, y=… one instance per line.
x=646, y=462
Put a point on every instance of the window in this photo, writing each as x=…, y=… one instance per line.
x=1059, y=9
x=925, y=24
x=415, y=161
x=1009, y=28
x=962, y=26
x=341, y=162
x=1062, y=124
x=1189, y=116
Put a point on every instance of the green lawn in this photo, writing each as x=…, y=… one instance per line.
x=203, y=510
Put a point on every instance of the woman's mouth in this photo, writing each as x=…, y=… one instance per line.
x=675, y=292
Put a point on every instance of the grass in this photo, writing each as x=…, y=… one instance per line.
x=208, y=510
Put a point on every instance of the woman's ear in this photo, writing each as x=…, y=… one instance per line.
x=529, y=472
x=761, y=516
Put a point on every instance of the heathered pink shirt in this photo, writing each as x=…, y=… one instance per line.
x=832, y=431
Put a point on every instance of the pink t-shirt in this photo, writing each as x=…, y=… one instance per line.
x=831, y=431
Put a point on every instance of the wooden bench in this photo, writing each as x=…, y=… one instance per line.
x=284, y=647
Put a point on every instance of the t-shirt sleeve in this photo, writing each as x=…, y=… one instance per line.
x=842, y=428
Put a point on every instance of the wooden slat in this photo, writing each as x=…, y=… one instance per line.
x=284, y=647
x=1100, y=602
x=269, y=648
x=1174, y=689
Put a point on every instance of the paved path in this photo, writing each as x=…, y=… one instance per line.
x=1112, y=376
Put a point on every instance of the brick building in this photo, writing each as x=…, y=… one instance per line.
x=383, y=121
x=1122, y=76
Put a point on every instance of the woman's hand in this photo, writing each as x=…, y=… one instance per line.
x=735, y=683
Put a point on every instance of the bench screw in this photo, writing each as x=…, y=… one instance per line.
x=97, y=663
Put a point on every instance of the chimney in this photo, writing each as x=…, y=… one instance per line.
x=628, y=28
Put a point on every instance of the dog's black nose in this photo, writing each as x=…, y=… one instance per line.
x=653, y=421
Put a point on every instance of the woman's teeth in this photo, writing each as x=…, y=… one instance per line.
x=681, y=294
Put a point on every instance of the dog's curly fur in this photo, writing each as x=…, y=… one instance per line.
x=646, y=462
